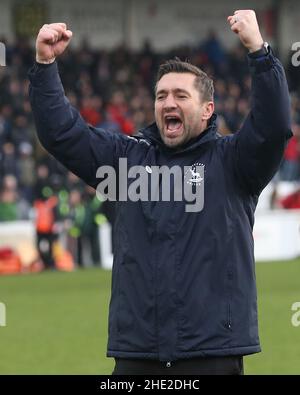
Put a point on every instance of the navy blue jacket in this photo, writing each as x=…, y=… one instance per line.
x=183, y=283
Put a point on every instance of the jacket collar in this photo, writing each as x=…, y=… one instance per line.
x=152, y=135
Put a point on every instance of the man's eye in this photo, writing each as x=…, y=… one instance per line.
x=182, y=96
x=159, y=97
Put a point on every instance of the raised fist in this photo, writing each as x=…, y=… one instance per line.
x=51, y=41
x=244, y=23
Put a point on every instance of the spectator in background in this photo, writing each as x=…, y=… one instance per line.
x=21, y=131
x=42, y=188
x=91, y=109
x=109, y=123
x=290, y=167
x=216, y=54
x=94, y=217
x=5, y=125
x=26, y=167
x=8, y=162
x=119, y=112
x=45, y=218
x=12, y=207
x=75, y=223
x=73, y=182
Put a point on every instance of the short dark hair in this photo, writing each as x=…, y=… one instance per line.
x=203, y=82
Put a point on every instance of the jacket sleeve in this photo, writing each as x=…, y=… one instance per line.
x=257, y=149
x=62, y=131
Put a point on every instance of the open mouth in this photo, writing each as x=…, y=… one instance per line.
x=173, y=123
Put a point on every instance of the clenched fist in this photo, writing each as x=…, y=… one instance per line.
x=51, y=41
x=244, y=23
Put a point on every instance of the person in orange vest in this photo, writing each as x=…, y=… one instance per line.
x=44, y=224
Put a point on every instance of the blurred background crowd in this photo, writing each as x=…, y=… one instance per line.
x=112, y=90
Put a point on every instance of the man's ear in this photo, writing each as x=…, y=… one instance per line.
x=208, y=110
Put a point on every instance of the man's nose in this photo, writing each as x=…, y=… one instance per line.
x=170, y=102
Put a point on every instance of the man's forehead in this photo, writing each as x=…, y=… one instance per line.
x=176, y=81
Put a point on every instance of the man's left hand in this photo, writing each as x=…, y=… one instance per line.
x=244, y=23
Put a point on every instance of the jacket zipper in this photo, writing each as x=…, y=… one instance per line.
x=229, y=316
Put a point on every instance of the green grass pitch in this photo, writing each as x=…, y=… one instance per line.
x=57, y=322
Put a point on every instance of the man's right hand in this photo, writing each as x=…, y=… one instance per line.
x=51, y=41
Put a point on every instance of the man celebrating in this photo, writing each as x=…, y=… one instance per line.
x=183, y=283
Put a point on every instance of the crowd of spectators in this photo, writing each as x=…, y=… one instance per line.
x=113, y=89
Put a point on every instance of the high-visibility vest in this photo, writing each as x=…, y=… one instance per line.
x=45, y=214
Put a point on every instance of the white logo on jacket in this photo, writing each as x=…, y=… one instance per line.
x=195, y=174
